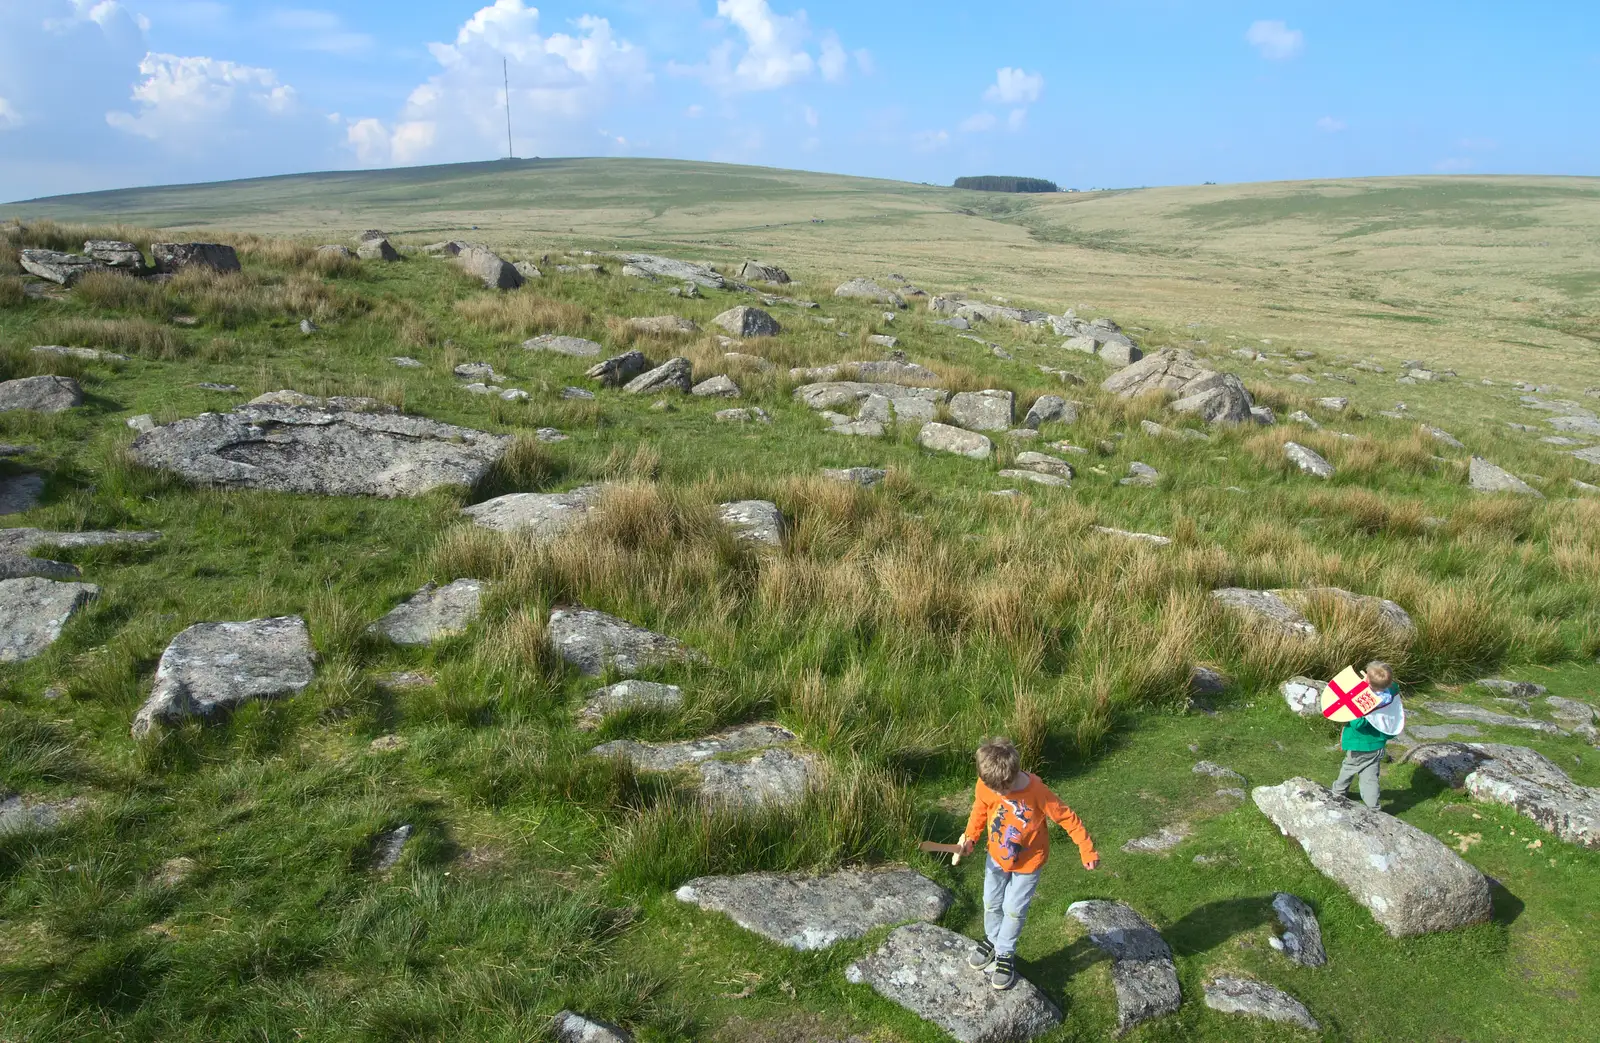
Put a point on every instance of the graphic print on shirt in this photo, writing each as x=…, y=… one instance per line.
x=1010, y=818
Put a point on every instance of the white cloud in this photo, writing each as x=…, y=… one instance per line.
x=1329, y=125
x=1015, y=87
x=1017, y=120
x=560, y=84
x=1275, y=40
x=193, y=100
x=773, y=54
x=977, y=123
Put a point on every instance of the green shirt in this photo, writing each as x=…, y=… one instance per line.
x=1360, y=736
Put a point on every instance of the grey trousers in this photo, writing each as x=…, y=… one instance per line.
x=1006, y=897
x=1363, y=765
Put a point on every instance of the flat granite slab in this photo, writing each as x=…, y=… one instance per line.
x=813, y=912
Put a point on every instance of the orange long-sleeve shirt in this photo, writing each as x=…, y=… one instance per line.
x=1019, y=840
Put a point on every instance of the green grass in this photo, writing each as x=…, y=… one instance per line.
x=896, y=628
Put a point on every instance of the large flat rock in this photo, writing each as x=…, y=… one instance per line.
x=1521, y=779
x=923, y=968
x=777, y=777
x=577, y=347
x=1389, y=615
x=628, y=695
x=308, y=450
x=22, y=541
x=758, y=521
x=813, y=912
x=593, y=641
x=651, y=266
x=1256, y=999
x=1410, y=881
x=43, y=394
x=833, y=394
x=211, y=668
x=544, y=516
x=1469, y=712
x=33, y=612
x=669, y=756
x=570, y=1027
x=433, y=613
x=1265, y=609
x=20, y=492
x=1142, y=971
x=989, y=410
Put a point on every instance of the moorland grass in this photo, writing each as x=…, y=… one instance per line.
x=895, y=628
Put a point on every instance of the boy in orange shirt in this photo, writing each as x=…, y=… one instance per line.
x=1012, y=806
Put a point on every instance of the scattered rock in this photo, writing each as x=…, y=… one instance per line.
x=649, y=266
x=866, y=477
x=716, y=387
x=807, y=912
x=62, y=268
x=433, y=613
x=1522, y=780
x=33, y=612
x=982, y=410
x=42, y=394
x=674, y=373
x=1036, y=477
x=1513, y=689
x=20, y=492
x=1307, y=460
x=1214, y=397
x=405, y=362
x=771, y=778
x=664, y=325
x=377, y=248
x=618, y=370
x=1204, y=680
x=1443, y=437
x=18, y=813
x=214, y=667
x=577, y=347
x=742, y=416
x=1303, y=695
x=388, y=846
x=645, y=756
x=1213, y=770
x=1387, y=614
x=866, y=289
x=1265, y=609
x=1485, y=477
x=755, y=271
x=1300, y=935
x=1410, y=881
x=1258, y=1000
x=388, y=743
x=745, y=321
x=1142, y=969
x=1435, y=732
x=116, y=254
x=923, y=968
x=1468, y=712
x=87, y=354
x=1045, y=464
x=1049, y=409
x=311, y=450
x=528, y=270
x=1161, y=841
x=483, y=263
x=758, y=521
x=575, y=1028
x=544, y=516
x=1140, y=473
x=174, y=257
x=943, y=438
x=628, y=695
x=1141, y=537
x=592, y=641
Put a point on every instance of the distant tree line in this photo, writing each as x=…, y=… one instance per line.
x=992, y=183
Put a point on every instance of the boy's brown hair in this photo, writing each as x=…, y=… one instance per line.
x=998, y=763
x=1380, y=674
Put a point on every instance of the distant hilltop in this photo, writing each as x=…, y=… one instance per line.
x=1006, y=184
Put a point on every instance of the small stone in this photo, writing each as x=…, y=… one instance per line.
x=866, y=477
x=745, y=321
x=388, y=744
x=1036, y=477
x=664, y=325
x=1303, y=695
x=675, y=373
x=716, y=387
x=1140, y=473
x=1485, y=477
x=1161, y=841
x=1140, y=537
x=389, y=846
x=1308, y=460
x=1300, y=935
x=405, y=362
x=211, y=668
x=575, y=1028
x=884, y=341
x=1048, y=409
x=758, y=521
x=1045, y=464
x=628, y=695
x=946, y=439
x=543, y=515
x=577, y=394
x=433, y=613
x=982, y=410
x=577, y=347
x=1514, y=689
x=593, y=641
x=1336, y=405
x=1213, y=770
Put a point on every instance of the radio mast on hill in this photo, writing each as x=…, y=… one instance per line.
x=505, y=71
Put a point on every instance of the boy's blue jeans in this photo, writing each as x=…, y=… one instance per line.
x=1006, y=897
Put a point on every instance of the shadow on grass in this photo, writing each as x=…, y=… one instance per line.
x=1425, y=786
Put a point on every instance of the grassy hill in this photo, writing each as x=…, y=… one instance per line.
x=221, y=881
x=1500, y=274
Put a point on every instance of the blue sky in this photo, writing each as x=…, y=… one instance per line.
x=114, y=93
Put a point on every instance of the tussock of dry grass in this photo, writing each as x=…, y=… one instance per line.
x=524, y=314
x=126, y=336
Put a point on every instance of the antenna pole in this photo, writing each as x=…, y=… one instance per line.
x=505, y=71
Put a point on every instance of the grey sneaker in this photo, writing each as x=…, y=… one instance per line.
x=1005, y=973
x=981, y=958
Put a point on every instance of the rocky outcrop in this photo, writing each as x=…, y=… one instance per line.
x=1521, y=779
x=1409, y=881
x=1307, y=460
x=433, y=613
x=866, y=289
x=41, y=394
x=577, y=347
x=1468, y=712
x=772, y=778
x=1265, y=609
x=909, y=404
x=116, y=254
x=720, y=386
x=649, y=266
x=1142, y=970
x=755, y=271
x=1049, y=409
x=377, y=248
x=923, y=968
x=211, y=668
x=330, y=452
x=34, y=611
x=544, y=516
x=175, y=257
x=866, y=477
x=745, y=321
x=62, y=268
x=1212, y=396
x=625, y=696
x=618, y=370
x=663, y=325
x=758, y=521
x=807, y=912
x=942, y=438
x=670, y=756
x=591, y=641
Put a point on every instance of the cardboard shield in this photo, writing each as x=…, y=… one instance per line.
x=1348, y=697
x=1390, y=719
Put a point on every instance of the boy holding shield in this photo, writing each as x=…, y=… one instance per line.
x=1363, y=741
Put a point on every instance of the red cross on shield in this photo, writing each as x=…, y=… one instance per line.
x=1348, y=697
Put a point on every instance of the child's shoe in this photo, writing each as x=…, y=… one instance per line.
x=1005, y=972
x=981, y=958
